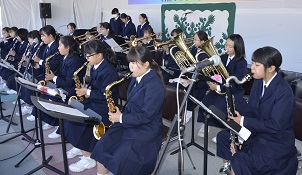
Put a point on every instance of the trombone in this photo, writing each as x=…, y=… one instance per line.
x=81, y=37
x=92, y=38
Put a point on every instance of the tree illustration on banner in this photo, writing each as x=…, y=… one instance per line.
x=217, y=20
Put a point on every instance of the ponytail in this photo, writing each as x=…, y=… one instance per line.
x=111, y=57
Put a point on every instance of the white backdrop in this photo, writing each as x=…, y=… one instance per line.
x=264, y=22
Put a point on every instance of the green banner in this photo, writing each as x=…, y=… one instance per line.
x=215, y=19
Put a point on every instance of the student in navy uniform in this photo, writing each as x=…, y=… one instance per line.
x=15, y=55
x=34, y=39
x=5, y=43
x=271, y=147
x=49, y=37
x=148, y=42
x=102, y=74
x=128, y=27
x=143, y=20
x=132, y=143
x=236, y=65
x=116, y=23
x=71, y=28
x=106, y=32
x=170, y=68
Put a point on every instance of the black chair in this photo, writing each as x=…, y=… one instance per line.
x=297, y=124
x=169, y=108
x=123, y=87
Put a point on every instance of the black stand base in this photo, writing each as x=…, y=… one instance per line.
x=45, y=165
x=22, y=133
x=5, y=117
x=192, y=142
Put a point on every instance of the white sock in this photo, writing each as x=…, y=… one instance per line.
x=102, y=174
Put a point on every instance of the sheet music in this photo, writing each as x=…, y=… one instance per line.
x=24, y=81
x=62, y=109
x=115, y=47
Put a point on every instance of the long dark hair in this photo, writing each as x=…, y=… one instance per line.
x=203, y=36
x=268, y=56
x=238, y=46
x=125, y=16
x=50, y=30
x=143, y=15
x=22, y=33
x=97, y=46
x=34, y=34
x=73, y=45
x=142, y=54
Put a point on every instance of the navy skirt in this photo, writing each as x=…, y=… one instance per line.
x=126, y=156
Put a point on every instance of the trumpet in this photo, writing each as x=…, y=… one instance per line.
x=81, y=37
x=133, y=41
x=92, y=38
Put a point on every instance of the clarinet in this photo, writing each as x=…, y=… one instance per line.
x=12, y=48
x=24, y=54
x=230, y=103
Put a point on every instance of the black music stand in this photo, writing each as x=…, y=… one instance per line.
x=22, y=130
x=2, y=117
x=60, y=116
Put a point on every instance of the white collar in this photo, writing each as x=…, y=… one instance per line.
x=269, y=81
x=138, y=79
x=97, y=65
x=50, y=43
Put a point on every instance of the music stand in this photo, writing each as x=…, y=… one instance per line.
x=221, y=117
x=91, y=120
x=22, y=130
x=2, y=117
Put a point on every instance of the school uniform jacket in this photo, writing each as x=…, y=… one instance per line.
x=140, y=30
x=129, y=29
x=117, y=26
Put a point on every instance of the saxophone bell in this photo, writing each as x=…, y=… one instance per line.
x=99, y=130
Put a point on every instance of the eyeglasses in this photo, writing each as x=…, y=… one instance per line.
x=89, y=55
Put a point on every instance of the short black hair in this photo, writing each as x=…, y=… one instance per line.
x=268, y=56
x=73, y=25
x=22, y=33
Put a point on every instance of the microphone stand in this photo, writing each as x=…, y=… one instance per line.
x=172, y=130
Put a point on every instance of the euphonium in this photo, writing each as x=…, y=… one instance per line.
x=77, y=84
x=99, y=130
x=184, y=58
x=47, y=68
x=208, y=47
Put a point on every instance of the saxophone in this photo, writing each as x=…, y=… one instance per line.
x=78, y=84
x=47, y=68
x=99, y=130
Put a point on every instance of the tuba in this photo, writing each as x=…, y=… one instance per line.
x=78, y=84
x=99, y=130
x=47, y=68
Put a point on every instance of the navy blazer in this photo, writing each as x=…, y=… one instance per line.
x=142, y=117
x=5, y=46
x=140, y=30
x=234, y=68
x=270, y=119
x=105, y=74
x=65, y=76
x=129, y=29
x=117, y=26
x=54, y=62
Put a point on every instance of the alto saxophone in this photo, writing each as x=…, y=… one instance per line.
x=78, y=84
x=99, y=130
x=47, y=68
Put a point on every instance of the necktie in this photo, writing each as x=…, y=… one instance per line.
x=228, y=61
x=136, y=83
x=263, y=91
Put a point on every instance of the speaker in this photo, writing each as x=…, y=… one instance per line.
x=45, y=10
